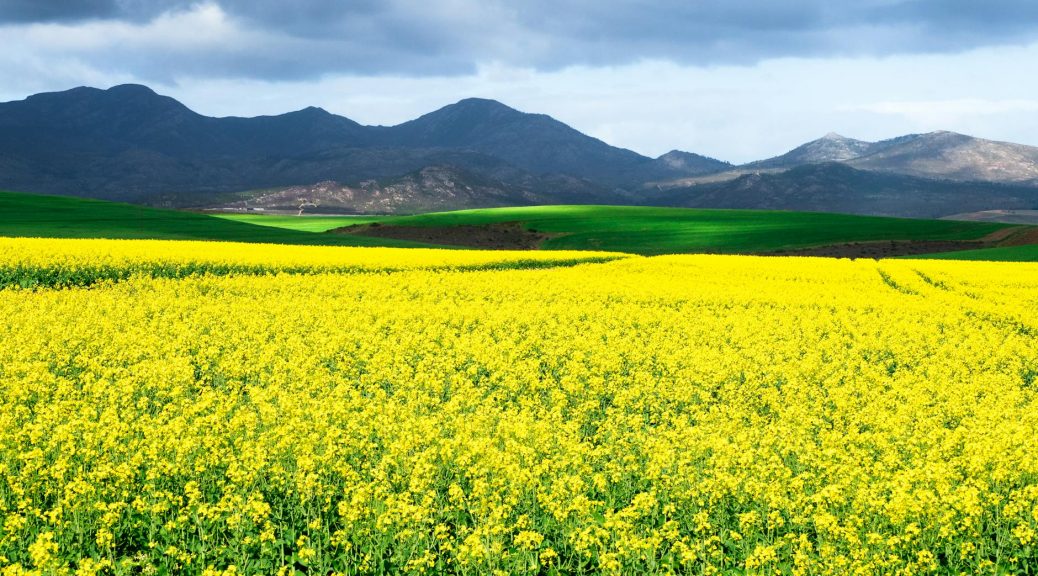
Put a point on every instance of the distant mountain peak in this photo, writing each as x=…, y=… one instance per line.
x=134, y=89
x=534, y=142
x=312, y=111
x=953, y=156
x=832, y=147
x=461, y=119
x=470, y=108
x=115, y=108
x=475, y=109
x=679, y=159
x=484, y=103
x=676, y=154
x=673, y=157
x=120, y=90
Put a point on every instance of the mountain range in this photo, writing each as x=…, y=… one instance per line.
x=129, y=143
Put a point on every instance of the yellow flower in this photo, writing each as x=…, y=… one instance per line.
x=180, y=407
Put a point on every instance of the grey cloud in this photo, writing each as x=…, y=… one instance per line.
x=311, y=38
x=56, y=10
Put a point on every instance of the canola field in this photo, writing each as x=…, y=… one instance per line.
x=187, y=408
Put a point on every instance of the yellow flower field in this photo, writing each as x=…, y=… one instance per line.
x=461, y=412
x=30, y=262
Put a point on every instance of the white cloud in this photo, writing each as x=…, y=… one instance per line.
x=950, y=111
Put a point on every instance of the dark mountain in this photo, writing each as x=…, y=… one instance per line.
x=836, y=187
x=130, y=117
x=129, y=143
x=534, y=142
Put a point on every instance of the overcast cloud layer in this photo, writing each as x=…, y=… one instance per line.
x=718, y=77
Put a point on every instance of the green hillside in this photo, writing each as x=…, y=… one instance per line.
x=644, y=230
x=1005, y=254
x=306, y=223
x=637, y=230
x=33, y=215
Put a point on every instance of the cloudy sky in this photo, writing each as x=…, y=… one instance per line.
x=736, y=79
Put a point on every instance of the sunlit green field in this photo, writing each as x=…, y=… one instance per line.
x=1006, y=254
x=644, y=230
x=34, y=215
x=637, y=230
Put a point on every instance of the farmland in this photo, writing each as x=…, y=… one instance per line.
x=34, y=215
x=627, y=229
x=651, y=231
x=1027, y=253
x=221, y=408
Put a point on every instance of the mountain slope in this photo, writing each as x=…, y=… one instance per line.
x=830, y=148
x=535, y=142
x=433, y=187
x=130, y=143
x=34, y=215
x=954, y=157
x=132, y=117
x=673, y=165
x=942, y=155
x=836, y=187
x=649, y=231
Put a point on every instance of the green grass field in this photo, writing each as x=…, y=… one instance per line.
x=644, y=230
x=33, y=215
x=302, y=223
x=636, y=230
x=1005, y=254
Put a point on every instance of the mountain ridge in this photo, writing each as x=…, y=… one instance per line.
x=129, y=143
x=941, y=154
x=829, y=148
x=839, y=187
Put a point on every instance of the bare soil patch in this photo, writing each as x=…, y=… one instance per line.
x=1013, y=236
x=505, y=236
x=999, y=236
x=885, y=249
x=1021, y=237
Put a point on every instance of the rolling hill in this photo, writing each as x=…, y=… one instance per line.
x=644, y=230
x=638, y=230
x=1027, y=253
x=33, y=215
